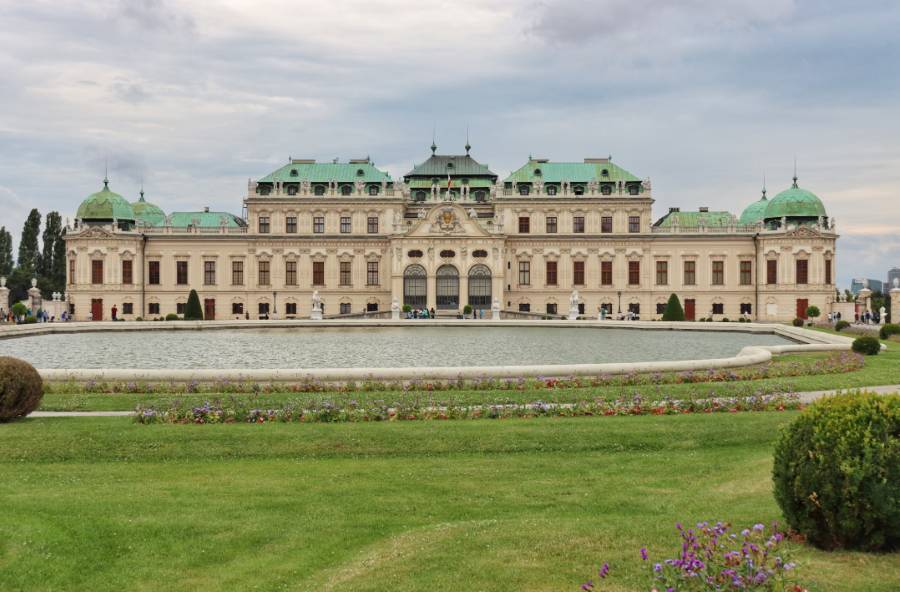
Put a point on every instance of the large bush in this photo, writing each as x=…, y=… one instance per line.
x=841, y=325
x=673, y=311
x=888, y=330
x=193, y=311
x=172, y=317
x=837, y=472
x=21, y=389
x=798, y=322
x=19, y=309
x=866, y=345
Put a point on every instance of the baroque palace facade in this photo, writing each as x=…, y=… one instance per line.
x=451, y=233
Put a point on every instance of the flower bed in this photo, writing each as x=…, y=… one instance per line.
x=233, y=410
x=835, y=363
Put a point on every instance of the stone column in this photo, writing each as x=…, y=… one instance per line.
x=895, y=301
x=865, y=298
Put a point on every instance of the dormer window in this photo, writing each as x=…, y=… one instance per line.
x=373, y=189
x=524, y=189
x=633, y=189
x=292, y=190
x=550, y=189
x=479, y=196
x=346, y=189
x=604, y=173
x=294, y=172
x=579, y=190
x=264, y=190
x=360, y=172
x=319, y=190
x=420, y=196
x=537, y=172
x=449, y=165
x=606, y=190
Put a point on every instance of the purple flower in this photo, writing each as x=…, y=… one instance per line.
x=644, y=553
x=588, y=585
x=604, y=570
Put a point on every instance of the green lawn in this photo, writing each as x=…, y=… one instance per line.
x=105, y=504
x=879, y=370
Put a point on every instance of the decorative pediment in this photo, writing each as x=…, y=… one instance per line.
x=803, y=232
x=95, y=232
x=448, y=220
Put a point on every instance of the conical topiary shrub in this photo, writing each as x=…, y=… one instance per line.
x=193, y=312
x=673, y=312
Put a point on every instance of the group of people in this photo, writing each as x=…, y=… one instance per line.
x=420, y=313
x=41, y=316
x=868, y=317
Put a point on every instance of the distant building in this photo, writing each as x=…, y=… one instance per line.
x=893, y=274
x=858, y=284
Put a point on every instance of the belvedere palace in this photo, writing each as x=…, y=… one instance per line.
x=451, y=233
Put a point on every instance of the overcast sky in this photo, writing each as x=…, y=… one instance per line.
x=702, y=96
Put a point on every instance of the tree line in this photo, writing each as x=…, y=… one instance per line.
x=44, y=259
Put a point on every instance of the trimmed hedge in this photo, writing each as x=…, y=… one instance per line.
x=837, y=472
x=172, y=317
x=841, y=325
x=888, y=330
x=866, y=345
x=798, y=322
x=21, y=389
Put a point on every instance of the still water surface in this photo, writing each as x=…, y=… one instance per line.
x=378, y=347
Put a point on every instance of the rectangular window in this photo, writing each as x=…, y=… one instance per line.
x=606, y=224
x=264, y=225
x=346, y=274
x=344, y=308
x=524, y=224
x=718, y=273
x=524, y=307
x=634, y=273
x=371, y=307
x=97, y=271
x=290, y=308
x=690, y=273
x=127, y=275
x=746, y=273
x=346, y=225
x=209, y=273
x=634, y=223
x=551, y=308
x=237, y=308
x=524, y=273
x=718, y=308
x=127, y=308
x=153, y=272
x=660, y=308
x=828, y=271
x=802, y=271
x=606, y=275
x=263, y=308
x=290, y=225
x=772, y=271
x=237, y=273
x=318, y=278
x=746, y=308
x=372, y=273
x=181, y=272
x=264, y=273
x=71, y=271
x=290, y=273
x=662, y=273
x=319, y=224
x=634, y=308
x=372, y=224
x=578, y=273
x=551, y=273
x=578, y=224
x=153, y=308
x=179, y=308
x=551, y=224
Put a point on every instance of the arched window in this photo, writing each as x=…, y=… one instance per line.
x=346, y=189
x=264, y=190
x=606, y=190
x=479, y=253
x=524, y=189
x=360, y=172
x=415, y=291
x=447, y=287
x=479, y=195
x=319, y=190
x=373, y=189
x=420, y=196
x=292, y=190
x=480, y=287
x=579, y=190
x=414, y=253
x=447, y=253
x=294, y=172
x=550, y=189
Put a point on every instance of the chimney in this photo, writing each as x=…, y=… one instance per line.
x=704, y=209
x=206, y=209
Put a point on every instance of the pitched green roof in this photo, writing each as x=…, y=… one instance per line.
x=204, y=219
x=479, y=182
x=454, y=165
x=105, y=205
x=753, y=213
x=795, y=202
x=574, y=172
x=693, y=219
x=148, y=213
x=323, y=172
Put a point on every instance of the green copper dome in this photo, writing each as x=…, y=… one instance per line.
x=794, y=202
x=148, y=213
x=754, y=213
x=105, y=205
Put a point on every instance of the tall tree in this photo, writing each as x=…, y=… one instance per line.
x=29, y=255
x=6, y=256
x=51, y=266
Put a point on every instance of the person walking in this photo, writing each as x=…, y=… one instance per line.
x=115, y=312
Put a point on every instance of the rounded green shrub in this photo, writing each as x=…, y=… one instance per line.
x=21, y=389
x=798, y=322
x=888, y=330
x=837, y=472
x=171, y=317
x=866, y=345
x=841, y=325
x=19, y=309
x=725, y=320
x=467, y=309
x=813, y=311
x=407, y=308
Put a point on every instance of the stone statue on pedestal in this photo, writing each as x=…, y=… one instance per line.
x=573, y=306
x=316, y=314
x=395, y=310
x=495, y=310
x=882, y=315
x=34, y=297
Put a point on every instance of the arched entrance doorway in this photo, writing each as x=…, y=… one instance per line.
x=447, y=288
x=415, y=287
x=480, y=287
